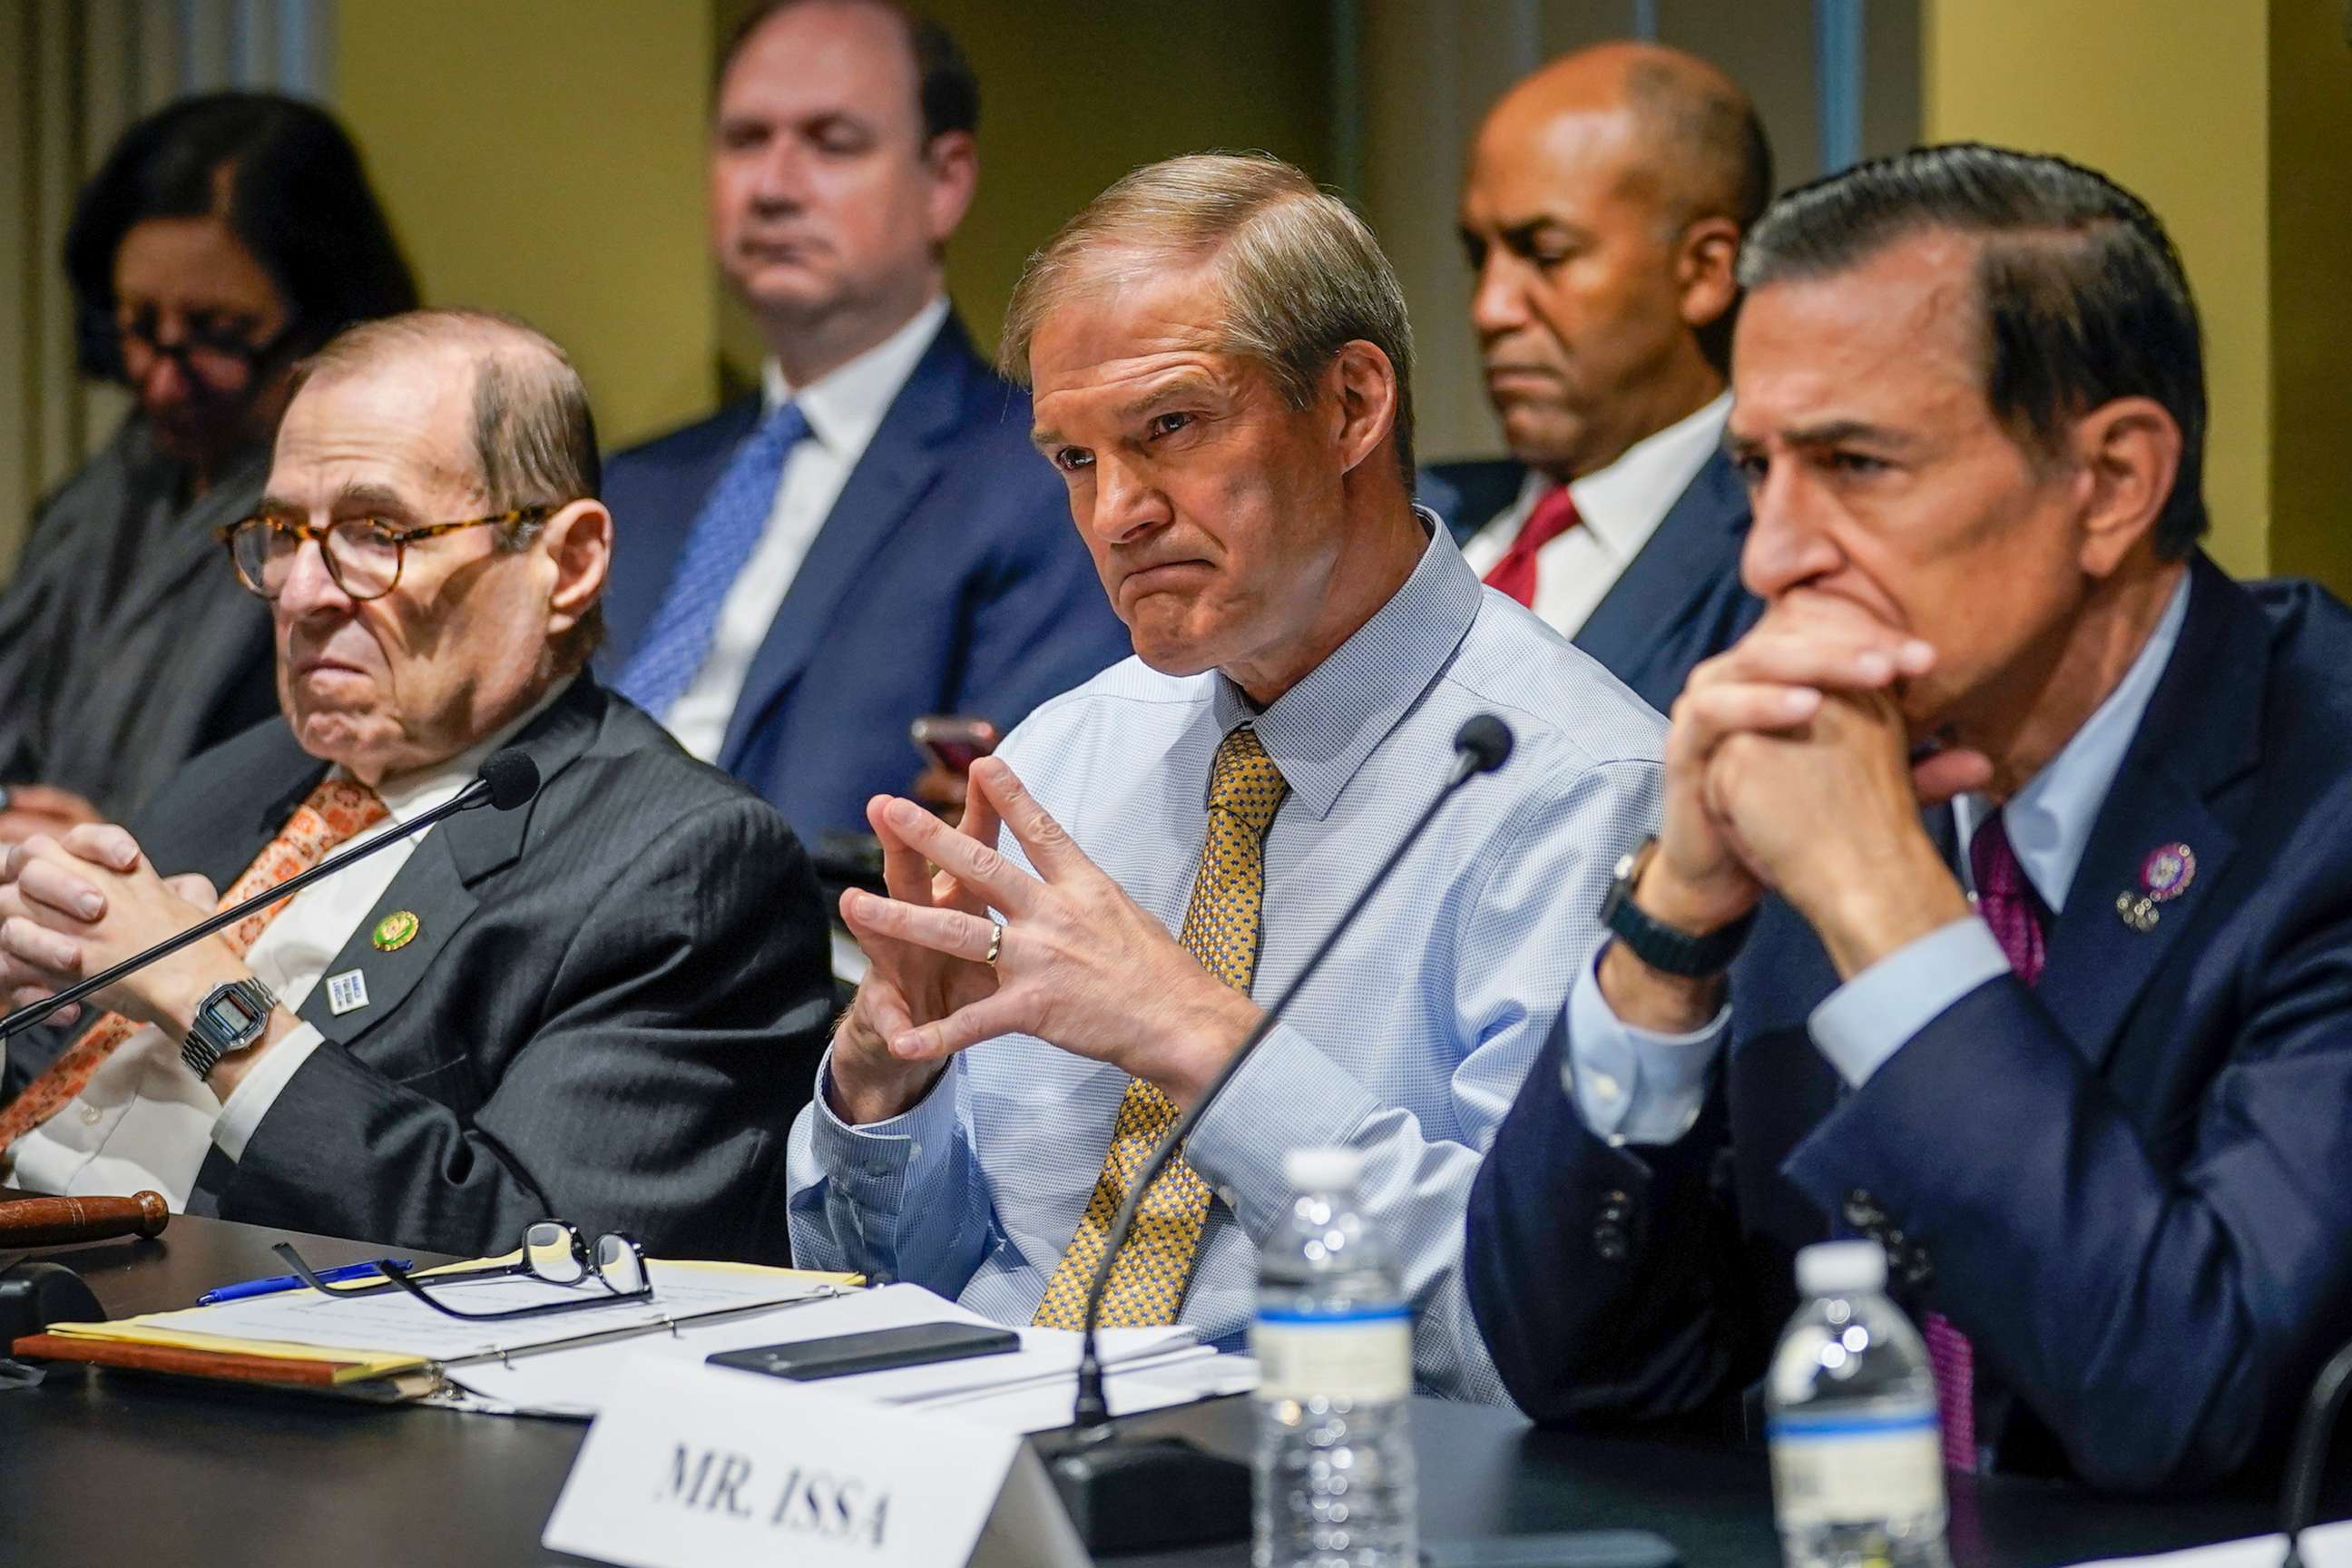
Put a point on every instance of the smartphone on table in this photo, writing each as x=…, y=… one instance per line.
x=876, y=1349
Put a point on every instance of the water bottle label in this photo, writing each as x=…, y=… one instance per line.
x=1364, y=1356
x=1849, y=1469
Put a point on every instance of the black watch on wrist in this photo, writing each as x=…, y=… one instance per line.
x=230, y=1018
x=1663, y=947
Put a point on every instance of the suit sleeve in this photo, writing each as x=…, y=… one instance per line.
x=1597, y=1269
x=2162, y=1319
x=679, y=1032
x=1037, y=621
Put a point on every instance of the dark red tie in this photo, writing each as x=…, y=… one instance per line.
x=1550, y=516
x=2007, y=903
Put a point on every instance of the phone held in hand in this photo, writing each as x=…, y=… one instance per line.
x=953, y=741
x=875, y=1350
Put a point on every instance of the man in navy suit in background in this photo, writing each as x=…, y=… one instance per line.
x=2076, y=1049
x=1602, y=211
x=871, y=540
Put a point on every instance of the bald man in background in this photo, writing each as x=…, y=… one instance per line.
x=1602, y=212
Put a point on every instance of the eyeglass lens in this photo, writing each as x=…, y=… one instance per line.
x=362, y=555
x=221, y=353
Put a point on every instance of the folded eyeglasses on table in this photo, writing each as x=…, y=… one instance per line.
x=553, y=1252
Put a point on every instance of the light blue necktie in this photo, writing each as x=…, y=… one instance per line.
x=722, y=541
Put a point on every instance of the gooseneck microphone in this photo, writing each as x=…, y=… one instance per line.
x=1164, y=1492
x=506, y=780
x=2307, y=1459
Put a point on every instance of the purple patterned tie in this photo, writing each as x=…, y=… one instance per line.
x=2007, y=903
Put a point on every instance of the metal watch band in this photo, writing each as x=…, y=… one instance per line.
x=1663, y=947
x=207, y=1041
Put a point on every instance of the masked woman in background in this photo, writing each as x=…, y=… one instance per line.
x=225, y=237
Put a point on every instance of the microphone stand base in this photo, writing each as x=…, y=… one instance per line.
x=1148, y=1494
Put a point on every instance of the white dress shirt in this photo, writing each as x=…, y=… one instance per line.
x=843, y=409
x=1639, y=1086
x=1410, y=1045
x=144, y=1120
x=1617, y=508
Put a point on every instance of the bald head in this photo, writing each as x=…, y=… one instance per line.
x=1669, y=121
x=1602, y=213
x=533, y=434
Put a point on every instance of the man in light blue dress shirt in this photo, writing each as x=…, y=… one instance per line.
x=2077, y=1049
x=1222, y=368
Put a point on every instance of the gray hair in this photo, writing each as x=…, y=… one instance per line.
x=534, y=438
x=1301, y=274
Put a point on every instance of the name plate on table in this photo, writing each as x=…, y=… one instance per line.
x=693, y=1465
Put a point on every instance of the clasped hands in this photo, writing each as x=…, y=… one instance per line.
x=1789, y=767
x=74, y=905
x=1079, y=964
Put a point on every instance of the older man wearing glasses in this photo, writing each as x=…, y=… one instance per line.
x=605, y=1005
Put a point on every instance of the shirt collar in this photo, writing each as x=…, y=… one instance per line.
x=844, y=407
x=411, y=794
x=2049, y=820
x=1320, y=731
x=1621, y=505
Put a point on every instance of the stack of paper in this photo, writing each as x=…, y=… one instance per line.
x=368, y=1338
x=2326, y=1546
x=1030, y=1389
x=566, y=1364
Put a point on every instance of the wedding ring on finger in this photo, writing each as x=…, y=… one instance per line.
x=995, y=942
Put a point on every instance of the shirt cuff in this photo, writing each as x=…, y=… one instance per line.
x=1870, y=1017
x=870, y=1164
x=1633, y=1084
x=241, y=1113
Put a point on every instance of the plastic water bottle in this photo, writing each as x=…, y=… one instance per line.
x=1334, y=1343
x=1849, y=1403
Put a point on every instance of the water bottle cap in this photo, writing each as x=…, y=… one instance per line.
x=1327, y=1170
x=1840, y=1269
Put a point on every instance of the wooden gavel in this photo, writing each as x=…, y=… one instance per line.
x=49, y=1222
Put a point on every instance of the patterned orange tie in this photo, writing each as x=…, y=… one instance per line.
x=1220, y=929
x=333, y=812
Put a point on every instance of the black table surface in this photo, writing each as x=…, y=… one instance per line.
x=113, y=1467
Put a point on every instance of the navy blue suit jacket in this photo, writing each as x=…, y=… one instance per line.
x=1677, y=602
x=2127, y=1185
x=948, y=579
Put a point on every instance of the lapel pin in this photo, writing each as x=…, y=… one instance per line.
x=2164, y=876
x=346, y=993
x=395, y=932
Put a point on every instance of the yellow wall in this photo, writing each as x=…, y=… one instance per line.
x=2234, y=120
x=2311, y=290
x=2167, y=97
x=545, y=157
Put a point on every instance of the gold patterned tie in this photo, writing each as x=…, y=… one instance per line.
x=1221, y=930
x=335, y=811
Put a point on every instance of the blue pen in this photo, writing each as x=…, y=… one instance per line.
x=277, y=1282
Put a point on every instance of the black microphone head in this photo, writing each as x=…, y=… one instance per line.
x=1487, y=740
x=513, y=778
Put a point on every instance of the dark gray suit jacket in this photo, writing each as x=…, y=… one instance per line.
x=126, y=644
x=611, y=1012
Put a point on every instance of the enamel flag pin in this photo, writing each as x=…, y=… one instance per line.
x=2164, y=876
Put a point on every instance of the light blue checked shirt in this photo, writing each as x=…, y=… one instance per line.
x=1411, y=1042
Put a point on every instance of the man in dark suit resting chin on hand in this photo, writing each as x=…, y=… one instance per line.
x=1999, y=911
x=604, y=1006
